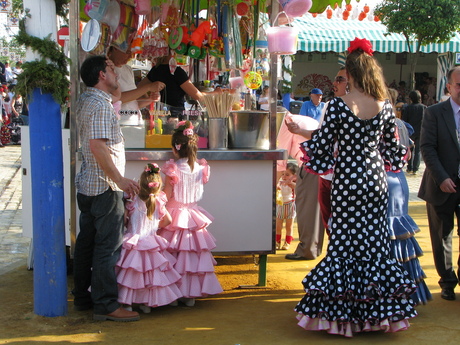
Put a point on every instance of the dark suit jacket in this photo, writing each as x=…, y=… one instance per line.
x=440, y=150
x=413, y=114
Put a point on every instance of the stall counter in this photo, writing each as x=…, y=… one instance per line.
x=240, y=195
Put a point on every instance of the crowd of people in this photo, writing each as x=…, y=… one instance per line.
x=15, y=111
x=363, y=139
x=164, y=257
x=146, y=243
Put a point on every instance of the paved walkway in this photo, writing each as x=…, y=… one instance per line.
x=14, y=248
x=414, y=183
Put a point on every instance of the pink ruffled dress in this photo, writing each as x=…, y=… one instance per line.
x=189, y=240
x=145, y=270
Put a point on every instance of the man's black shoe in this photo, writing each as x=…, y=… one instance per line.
x=295, y=257
x=448, y=294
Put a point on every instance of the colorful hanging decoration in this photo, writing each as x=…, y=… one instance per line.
x=252, y=80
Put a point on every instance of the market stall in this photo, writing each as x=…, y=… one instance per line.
x=212, y=41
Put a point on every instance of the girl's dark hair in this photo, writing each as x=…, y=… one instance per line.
x=185, y=142
x=292, y=167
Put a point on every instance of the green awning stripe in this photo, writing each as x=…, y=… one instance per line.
x=325, y=35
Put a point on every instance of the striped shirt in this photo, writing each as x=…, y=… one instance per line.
x=96, y=119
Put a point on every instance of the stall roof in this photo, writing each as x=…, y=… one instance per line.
x=325, y=35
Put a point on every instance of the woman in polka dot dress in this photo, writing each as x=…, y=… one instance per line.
x=357, y=287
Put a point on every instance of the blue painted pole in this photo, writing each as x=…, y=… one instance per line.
x=50, y=269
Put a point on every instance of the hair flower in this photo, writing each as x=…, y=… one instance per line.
x=154, y=184
x=152, y=168
x=188, y=131
x=184, y=125
x=363, y=44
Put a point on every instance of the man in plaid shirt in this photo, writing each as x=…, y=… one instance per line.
x=100, y=186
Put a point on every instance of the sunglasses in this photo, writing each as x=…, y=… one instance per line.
x=340, y=79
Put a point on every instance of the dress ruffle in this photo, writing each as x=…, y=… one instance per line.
x=347, y=329
x=145, y=272
x=194, y=261
x=402, y=229
x=206, y=169
x=189, y=240
x=170, y=169
x=327, y=161
x=197, y=274
x=192, y=216
x=360, y=296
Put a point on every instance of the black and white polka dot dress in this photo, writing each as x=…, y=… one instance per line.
x=357, y=287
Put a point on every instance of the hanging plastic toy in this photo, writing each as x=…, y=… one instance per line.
x=252, y=80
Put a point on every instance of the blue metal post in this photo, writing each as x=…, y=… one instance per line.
x=50, y=269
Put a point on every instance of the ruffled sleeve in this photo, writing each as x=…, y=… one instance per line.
x=393, y=153
x=319, y=150
x=170, y=169
x=161, y=201
x=206, y=169
x=129, y=205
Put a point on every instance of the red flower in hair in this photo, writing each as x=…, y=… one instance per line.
x=363, y=44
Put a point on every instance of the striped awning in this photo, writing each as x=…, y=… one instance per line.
x=326, y=35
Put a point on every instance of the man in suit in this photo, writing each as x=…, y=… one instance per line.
x=413, y=115
x=440, y=186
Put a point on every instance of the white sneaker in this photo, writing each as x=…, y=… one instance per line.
x=174, y=304
x=128, y=307
x=145, y=309
x=278, y=245
x=285, y=246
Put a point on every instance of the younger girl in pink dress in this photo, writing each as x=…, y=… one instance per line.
x=189, y=240
x=145, y=272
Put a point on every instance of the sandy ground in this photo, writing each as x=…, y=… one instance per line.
x=246, y=316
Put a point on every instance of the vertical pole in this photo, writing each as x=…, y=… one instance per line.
x=50, y=270
x=262, y=270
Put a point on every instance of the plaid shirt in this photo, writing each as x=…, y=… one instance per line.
x=96, y=119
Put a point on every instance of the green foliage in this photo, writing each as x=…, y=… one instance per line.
x=45, y=76
x=62, y=8
x=50, y=77
x=46, y=46
x=425, y=22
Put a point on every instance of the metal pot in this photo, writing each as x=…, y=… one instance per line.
x=248, y=130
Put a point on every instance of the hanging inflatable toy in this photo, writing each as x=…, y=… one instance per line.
x=175, y=37
x=252, y=80
x=197, y=38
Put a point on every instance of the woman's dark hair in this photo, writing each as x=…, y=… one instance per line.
x=415, y=96
x=367, y=74
x=91, y=67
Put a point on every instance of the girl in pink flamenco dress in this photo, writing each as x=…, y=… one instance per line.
x=189, y=240
x=145, y=272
